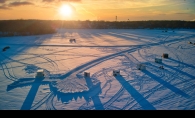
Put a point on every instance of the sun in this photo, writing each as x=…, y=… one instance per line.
x=65, y=10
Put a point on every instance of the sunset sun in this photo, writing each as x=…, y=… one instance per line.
x=65, y=10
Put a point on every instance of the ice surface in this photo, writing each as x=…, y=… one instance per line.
x=98, y=52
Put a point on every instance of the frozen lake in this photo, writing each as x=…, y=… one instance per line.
x=99, y=51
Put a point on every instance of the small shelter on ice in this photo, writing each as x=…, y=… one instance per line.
x=40, y=73
x=116, y=72
x=141, y=66
x=72, y=40
x=86, y=74
x=157, y=60
x=189, y=42
x=165, y=55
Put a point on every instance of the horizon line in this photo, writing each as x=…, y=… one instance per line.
x=92, y=20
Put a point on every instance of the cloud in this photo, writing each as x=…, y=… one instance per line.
x=2, y=1
x=20, y=3
x=181, y=13
x=61, y=0
x=48, y=0
x=72, y=0
x=4, y=7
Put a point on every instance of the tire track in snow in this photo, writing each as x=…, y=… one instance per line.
x=180, y=65
x=12, y=71
x=113, y=99
x=151, y=92
x=54, y=64
x=49, y=102
x=104, y=107
x=160, y=87
x=8, y=70
x=129, y=103
x=106, y=104
x=92, y=63
x=169, y=98
x=41, y=102
x=7, y=74
x=133, y=61
x=129, y=50
x=35, y=56
x=108, y=80
x=48, y=99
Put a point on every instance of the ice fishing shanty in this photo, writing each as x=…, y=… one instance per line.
x=141, y=66
x=165, y=55
x=40, y=73
x=72, y=40
x=189, y=42
x=157, y=60
x=86, y=74
x=116, y=72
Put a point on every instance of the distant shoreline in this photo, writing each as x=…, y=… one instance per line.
x=40, y=27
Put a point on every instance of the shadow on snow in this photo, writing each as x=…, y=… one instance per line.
x=135, y=94
x=166, y=84
x=91, y=95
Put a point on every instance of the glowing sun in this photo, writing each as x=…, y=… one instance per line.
x=65, y=10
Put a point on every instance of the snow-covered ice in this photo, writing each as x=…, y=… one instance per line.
x=99, y=51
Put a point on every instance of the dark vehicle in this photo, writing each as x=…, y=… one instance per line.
x=5, y=48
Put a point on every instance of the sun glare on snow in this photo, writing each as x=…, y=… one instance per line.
x=65, y=10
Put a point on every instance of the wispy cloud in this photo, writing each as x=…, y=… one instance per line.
x=4, y=7
x=2, y=1
x=48, y=0
x=107, y=9
x=72, y=0
x=181, y=13
x=19, y=4
x=61, y=0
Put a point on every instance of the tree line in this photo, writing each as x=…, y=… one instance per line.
x=25, y=27
x=38, y=27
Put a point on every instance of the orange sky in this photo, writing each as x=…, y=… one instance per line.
x=99, y=9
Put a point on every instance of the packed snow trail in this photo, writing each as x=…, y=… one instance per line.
x=92, y=63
